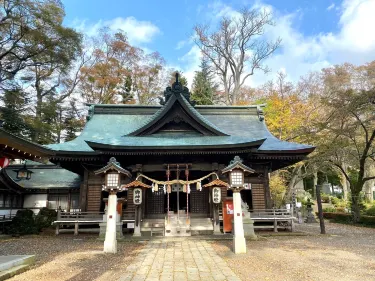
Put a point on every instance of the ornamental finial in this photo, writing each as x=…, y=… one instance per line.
x=177, y=74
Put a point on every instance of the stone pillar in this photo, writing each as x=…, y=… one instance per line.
x=137, y=223
x=239, y=242
x=110, y=242
x=216, y=220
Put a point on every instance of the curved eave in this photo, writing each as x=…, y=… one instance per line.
x=290, y=151
x=102, y=146
x=18, y=147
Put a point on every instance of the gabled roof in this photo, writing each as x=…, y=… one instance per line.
x=217, y=182
x=184, y=112
x=236, y=163
x=113, y=165
x=177, y=127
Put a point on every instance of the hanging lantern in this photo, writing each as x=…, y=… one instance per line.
x=4, y=162
x=216, y=195
x=23, y=173
x=137, y=196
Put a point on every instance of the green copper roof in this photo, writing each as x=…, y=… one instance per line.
x=45, y=177
x=112, y=126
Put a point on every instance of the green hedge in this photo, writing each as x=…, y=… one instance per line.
x=23, y=223
x=347, y=218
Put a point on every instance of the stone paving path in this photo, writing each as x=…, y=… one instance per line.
x=178, y=260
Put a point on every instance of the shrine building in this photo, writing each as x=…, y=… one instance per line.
x=174, y=152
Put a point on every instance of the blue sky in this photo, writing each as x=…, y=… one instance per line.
x=314, y=33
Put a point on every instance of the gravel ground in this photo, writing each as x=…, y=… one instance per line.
x=344, y=253
x=69, y=258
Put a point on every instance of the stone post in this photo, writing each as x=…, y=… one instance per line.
x=239, y=242
x=137, y=224
x=110, y=242
x=216, y=220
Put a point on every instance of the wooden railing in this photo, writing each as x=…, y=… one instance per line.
x=79, y=216
x=281, y=218
x=6, y=218
x=271, y=213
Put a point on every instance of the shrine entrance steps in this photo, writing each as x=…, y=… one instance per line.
x=201, y=226
x=178, y=226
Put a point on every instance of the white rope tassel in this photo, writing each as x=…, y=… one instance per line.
x=152, y=188
x=188, y=188
x=184, y=188
x=156, y=187
x=164, y=189
x=199, y=186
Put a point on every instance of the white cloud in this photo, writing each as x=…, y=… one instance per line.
x=300, y=54
x=138, y=32
x=330, y=7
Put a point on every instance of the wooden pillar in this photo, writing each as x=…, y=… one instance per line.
x=83, y=191
x=267, y=191
x=69, y=200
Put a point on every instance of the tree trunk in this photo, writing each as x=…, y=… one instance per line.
x=356, y=211
x=315, y=175
x=344, y=184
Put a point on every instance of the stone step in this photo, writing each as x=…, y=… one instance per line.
x=6, y=274
x=12, y=265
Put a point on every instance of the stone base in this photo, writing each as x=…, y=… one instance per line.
x=310, y=219
x=110, y=245
x=248, y=228
x=239, y=245
x=103, y=227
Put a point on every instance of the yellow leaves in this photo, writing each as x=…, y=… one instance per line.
x=277, y=188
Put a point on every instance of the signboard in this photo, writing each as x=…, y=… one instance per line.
x=130, y=225
x=137, y=196
x=228, y=212
x=216, y=195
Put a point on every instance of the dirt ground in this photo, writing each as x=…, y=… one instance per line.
x=69, y=258
x=344, y=253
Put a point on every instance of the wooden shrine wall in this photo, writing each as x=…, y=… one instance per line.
x=94, y=192
x=257, y=192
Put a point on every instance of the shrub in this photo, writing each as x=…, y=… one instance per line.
x=325, y=198
x=23, y=223
x=347, y=218
x=370, y=211
x=45, y=218
x=340, y=210
x=329, y=210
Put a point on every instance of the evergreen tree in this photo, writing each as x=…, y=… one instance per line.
x=181, y=78
x=73, y=122
x=12, y=113
x=203, y=88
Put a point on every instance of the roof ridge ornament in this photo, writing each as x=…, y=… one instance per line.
x=177, y=88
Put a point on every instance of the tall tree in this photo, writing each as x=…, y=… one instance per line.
x=13, y=111
x=104, y=76
x=30, y=32
x=204, y=88
x=237, y=49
